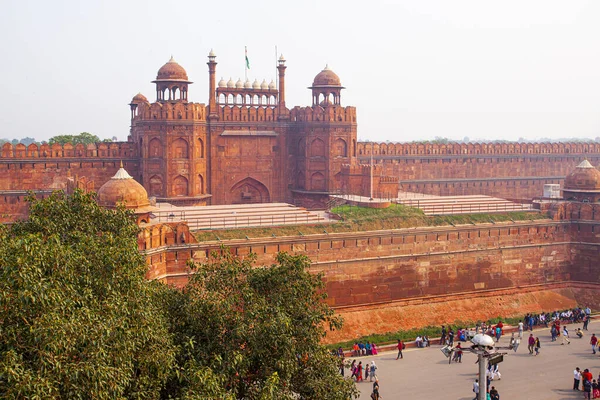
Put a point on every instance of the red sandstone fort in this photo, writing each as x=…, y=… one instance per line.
x=247, y=146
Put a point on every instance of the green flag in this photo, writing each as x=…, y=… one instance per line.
x=247, y=61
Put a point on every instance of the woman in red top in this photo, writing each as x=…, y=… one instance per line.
x=359, y=370
x=586, y=375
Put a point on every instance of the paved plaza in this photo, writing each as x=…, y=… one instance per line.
x=426, y=374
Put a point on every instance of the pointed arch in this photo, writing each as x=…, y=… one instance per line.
x=317, y=148
x=340, y=148
x=249, y=190
x=317, y=182
x=155, y=148
x=200, y=148
x=156, y=186
x=180, y=148
x=200, y=184
x=180, y=186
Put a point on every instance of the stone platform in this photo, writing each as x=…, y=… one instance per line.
x=238, y=215
x=449, y=205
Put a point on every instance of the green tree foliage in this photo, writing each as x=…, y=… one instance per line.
x=254, y=333
x=77, y=317
x=83, y=138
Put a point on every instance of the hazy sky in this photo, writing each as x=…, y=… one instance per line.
x=414, y=69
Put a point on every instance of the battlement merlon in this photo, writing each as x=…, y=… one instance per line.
x=123, y=150
x=329, y=113
x=473, y=149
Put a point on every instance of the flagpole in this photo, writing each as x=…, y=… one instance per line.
x=276, y=78
x=245, y=63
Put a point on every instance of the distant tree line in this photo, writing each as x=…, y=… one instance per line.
x=83, y=138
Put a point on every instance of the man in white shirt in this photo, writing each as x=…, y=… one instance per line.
x=520, y=329
x=476, y=388
x=419, y=342
x=576, y=378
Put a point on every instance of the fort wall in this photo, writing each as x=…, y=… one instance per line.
x=371, y=277
x=508, y=170
x=44, y=168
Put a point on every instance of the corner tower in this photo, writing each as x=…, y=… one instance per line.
x=171, y=138
x=324, y=139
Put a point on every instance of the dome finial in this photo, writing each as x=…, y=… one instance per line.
x=121, y=166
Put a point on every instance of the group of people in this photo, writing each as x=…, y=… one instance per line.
x=422, y=341
x=492, y=393
x=370, y=371
x=589, y=385
x=364, y=349
x=572, y=316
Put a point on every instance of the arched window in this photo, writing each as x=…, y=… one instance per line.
x=180, y=149
x=155, y=148
x=340, y=148
x=317, y=181
x=180, y=186
x=317, y=148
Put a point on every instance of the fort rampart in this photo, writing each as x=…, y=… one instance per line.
x=368, y=273
x=43, y=168
x=507, y=170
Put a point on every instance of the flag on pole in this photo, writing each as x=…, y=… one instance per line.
x=247, y=61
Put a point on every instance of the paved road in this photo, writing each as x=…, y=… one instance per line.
x=426, y=374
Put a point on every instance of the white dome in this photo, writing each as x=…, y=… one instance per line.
x=239, y=84
x=222, y=83
x=247, y=84
x=264, y=84
x=230, y=83
x=212, y=53
x=256, y=85
x=272, y=86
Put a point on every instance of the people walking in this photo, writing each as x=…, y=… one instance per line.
x=476, y=388
x=375, y=395
x=516, y=343
x=594, y=342
x=494, y=395
x=359, y=369
x=537, y=346
x=458, y=352
x=400, y=348
x=521, y=329
x=565, y=335
x=443, y=337
x=450, y=337
x=531, y=343
x=373, y=371
x=576, y=378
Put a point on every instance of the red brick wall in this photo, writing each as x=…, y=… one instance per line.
x=516, y=170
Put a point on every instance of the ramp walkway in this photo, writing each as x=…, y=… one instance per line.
x=449, y=205
x=238, y=215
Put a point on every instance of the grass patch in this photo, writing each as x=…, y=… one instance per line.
x=360, y=219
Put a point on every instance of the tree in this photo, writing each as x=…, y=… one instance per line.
x=254, y=333
x=77, y=317
x=83, y=138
